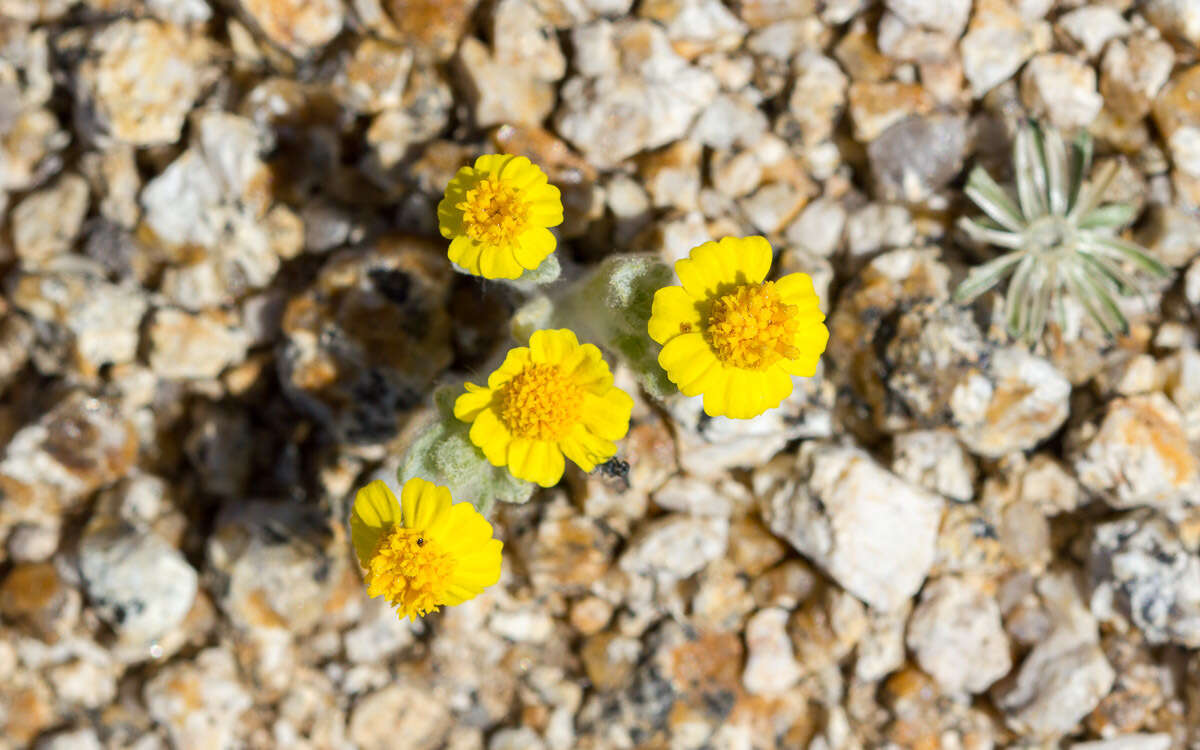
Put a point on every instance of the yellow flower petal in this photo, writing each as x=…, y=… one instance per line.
x=673, y=312
x=482, y=567
x=521, y=172
x=811, y=342
x=376, y=506
x=518, y=457
x=552, y=346
x=496, y=213
x=471, y=582
x=745, y=394
x=499, y=263
x=742, y=393
x=539, y=461
x=533, y=246
x=797, y=289
x=475, y=400
x=450, y=218
x=457, y=524
x=437, y=553
x=587, y=450
x=608, y=416
x=422, y=502
x=754, y=256
x=490, y=435
x=544, y=398
x=585, y=366
x=465, y=252
x=687, y=359
x=494, y=163
x=465, y=534
x=714, y=267
x=547, y=464
x=480, y=570
x=546, y=207
x=514, y=362
x=590, y=370
x=779, y=386
x=713, y=377
x=375, y=511
x=716, y=392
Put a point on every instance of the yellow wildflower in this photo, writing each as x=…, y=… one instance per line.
x=731, y=335
x=422, y=553
x=551, y=399
x=496, y=215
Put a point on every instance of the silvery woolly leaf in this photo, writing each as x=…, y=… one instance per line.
x=1030, y=173
x=1115, y=247
x=1014, y=303
x=1057, y=172
x=1112, y=216
x=1116, y=276
x=982, y=278
x=1081, y=162
x=1092, y=193
x=993, y=200
x=1095, y=294
x=990, y=235
x=1071, y=279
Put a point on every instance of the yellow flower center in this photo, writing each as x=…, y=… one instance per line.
x=410, y=571
x=751, y=328
x=493, y=212
x=541, y=403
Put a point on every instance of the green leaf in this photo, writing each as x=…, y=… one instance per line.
x=1071, y=278
x=1094, y=296
x=1081, y=162
x=1030, y=172
x=1017, y=299
x=546, y=272
x=1092, y=193
x=1057, y=177
x=1112, y=216
x=1040, y=306
x=1116, y=247
x=990, y=235
x=535, y=314
x=444, y=454
x=993, y=200
x=1114, y=274
x=1032, y=317
x=982, y=278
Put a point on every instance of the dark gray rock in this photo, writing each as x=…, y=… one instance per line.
x=917, y=156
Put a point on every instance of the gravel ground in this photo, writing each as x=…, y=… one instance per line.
x=226, y=305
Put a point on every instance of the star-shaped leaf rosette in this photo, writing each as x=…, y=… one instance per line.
x=1059, y=239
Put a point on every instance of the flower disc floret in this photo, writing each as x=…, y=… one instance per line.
x=541, y=403
x=493, y=212
x=497, y=213
x=734, y=337
x=550, y=401
x=752, y=328
x=425, y=551
x=406, y=567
